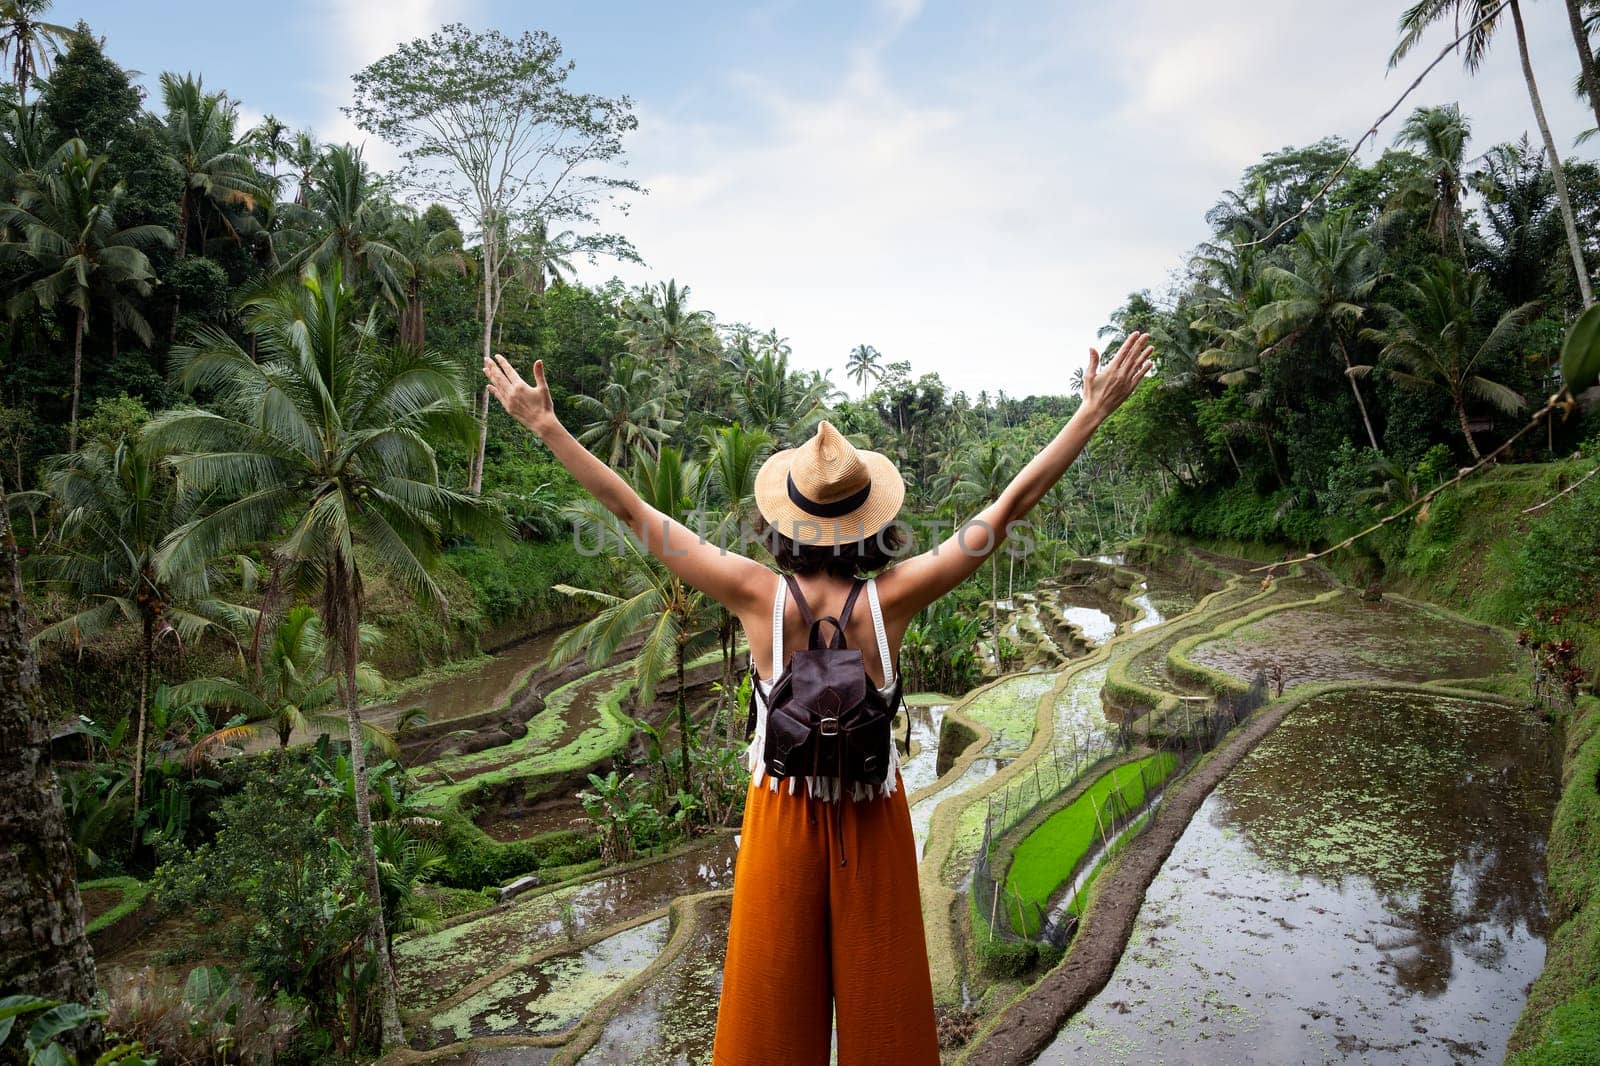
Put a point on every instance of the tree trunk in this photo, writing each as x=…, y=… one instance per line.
x=1372, y=438
x=46, y=951
x=994, y=599
x=1466, y=428
x=347, y=631
x=1568, y=219
x=683, y=727
x=1227, y=442
x=144, y=704
x=491, y=308
x=182, y=251
x=1580, y=37
x=77, y=379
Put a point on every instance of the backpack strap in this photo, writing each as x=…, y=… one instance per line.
x=882, y=633
x=777, y=626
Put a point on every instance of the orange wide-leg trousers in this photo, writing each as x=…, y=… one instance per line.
x=810, y=939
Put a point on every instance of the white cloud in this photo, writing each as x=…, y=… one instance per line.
x=353, y=33
x=984, y=224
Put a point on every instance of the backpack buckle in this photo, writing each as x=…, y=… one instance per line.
x=823, y=727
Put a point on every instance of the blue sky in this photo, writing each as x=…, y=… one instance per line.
x=970, y=187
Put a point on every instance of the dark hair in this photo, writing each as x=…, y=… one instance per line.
x=855, y=558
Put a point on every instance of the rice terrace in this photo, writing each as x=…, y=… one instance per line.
x=381, y=679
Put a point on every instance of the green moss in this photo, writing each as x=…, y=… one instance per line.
x=1010, y=710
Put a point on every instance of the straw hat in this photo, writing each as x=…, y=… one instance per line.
x=827, y=491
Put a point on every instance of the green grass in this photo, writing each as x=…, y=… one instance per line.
x=1046, y=859
x=134, y=893
x=1561, y=1022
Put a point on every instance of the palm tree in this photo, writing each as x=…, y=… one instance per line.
x=293, y=686
x=629, y=416
x=322, y=449
x=26, y=144
x=782, y=404
x=1483, y=16
x=47, y=951
x=348, y=217
x=423, y=254
x=1440, y=135
x=658, y=325
x=27, y=41
x=540, y=258
x=1333, y=268
x=115, y=502
x=76, y=256
x=215, y=166
x=676, y=619
x=983, y=474
x=270, y=142
x=728, y=483
x=1587, y=77
x=302, y=153
x=1434, y=343
x=865, y=363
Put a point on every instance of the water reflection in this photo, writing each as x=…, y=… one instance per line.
x=1367, y=886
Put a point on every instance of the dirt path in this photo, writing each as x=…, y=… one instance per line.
x=1025, y=1028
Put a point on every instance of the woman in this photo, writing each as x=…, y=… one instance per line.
x=827, y=918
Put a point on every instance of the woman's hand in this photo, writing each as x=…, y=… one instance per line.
x=1104, y=390
x=528, y=404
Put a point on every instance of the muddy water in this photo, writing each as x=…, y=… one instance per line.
x=472, y=693
x=921, y=770
x=489, y=686
x=674, y=1020
x=435, y=967
x=1366, y=887
x=552, y=996
x=1352, y=639
x=1096, y=625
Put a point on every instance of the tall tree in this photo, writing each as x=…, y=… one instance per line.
x=293, y=688
x=728, y=484
x=629, y=416
x=424, y=253
x=1483, y=17
x=678, y=621
x=365, y=497
x=1580, y=38
x=1436, y=345
x=491, y=127
x=864, y=364
x=658, y=326
x=75, y=254
x=115, y=502
x=348, y=216
x=28, y=41
x=1325, y=290
x=215, y=166
x=983, y=474
x=1440, y=135
x=41, y=918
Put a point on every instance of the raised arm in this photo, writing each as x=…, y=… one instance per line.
x=913, y=584
x=739, y=584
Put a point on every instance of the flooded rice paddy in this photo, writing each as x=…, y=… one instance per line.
x=1349, y=638
x=437, y=967
x=1366, y=887
x=673, y=1019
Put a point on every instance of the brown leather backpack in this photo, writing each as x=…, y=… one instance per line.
x=824, y=716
